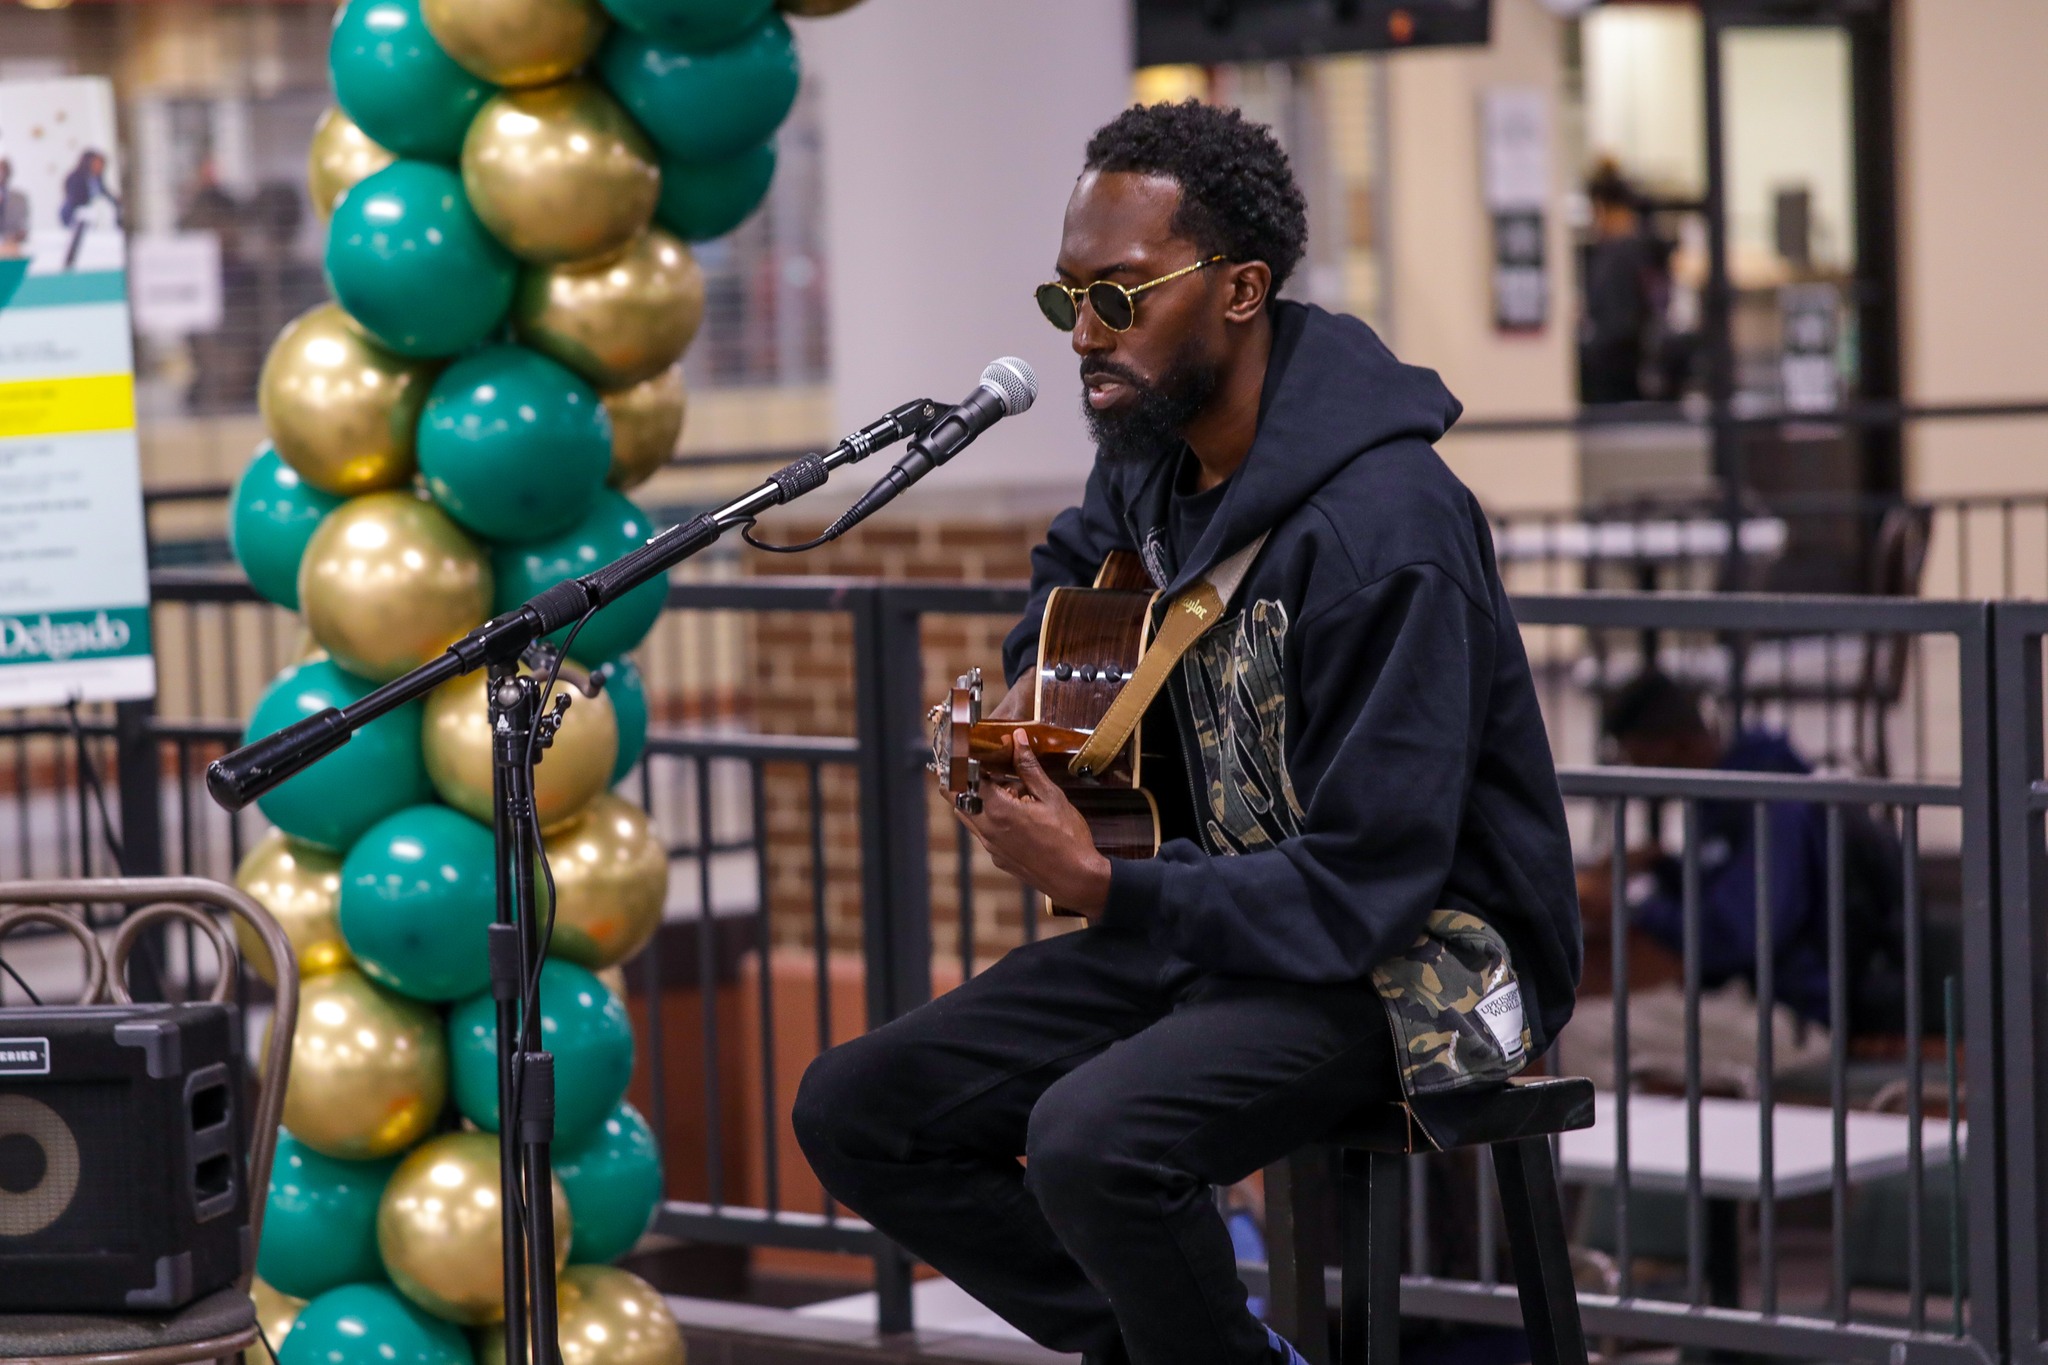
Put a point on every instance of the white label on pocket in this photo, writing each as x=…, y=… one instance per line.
x=1502, y=1012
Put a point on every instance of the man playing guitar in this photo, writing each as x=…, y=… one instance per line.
x=1364, y=889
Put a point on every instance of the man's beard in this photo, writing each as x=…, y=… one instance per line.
x=1148, y=427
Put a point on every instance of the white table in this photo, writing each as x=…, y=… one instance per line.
x=1657, y=539
x=1731, y=1146
x=1731, y=1157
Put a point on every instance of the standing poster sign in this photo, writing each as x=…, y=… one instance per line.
x=74, y=579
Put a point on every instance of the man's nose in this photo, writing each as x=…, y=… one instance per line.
x=1091, y=337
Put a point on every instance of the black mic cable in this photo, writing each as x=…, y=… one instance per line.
x=1007, y=388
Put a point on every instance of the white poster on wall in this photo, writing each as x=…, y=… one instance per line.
x=74, y=577
x=1515, y=181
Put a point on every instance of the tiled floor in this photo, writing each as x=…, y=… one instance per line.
x=843, y=1330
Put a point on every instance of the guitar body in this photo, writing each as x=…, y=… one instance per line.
x=1088, y=644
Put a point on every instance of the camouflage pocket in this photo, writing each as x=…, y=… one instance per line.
x=1455, y=1006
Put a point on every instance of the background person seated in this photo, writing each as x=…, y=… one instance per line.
x=1659, y=723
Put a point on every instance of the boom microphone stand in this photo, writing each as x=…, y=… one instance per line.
x=519, y=731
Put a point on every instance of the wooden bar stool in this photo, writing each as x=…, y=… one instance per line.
x=1371, y=1151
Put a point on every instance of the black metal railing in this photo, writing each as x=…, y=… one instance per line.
x=746, y=812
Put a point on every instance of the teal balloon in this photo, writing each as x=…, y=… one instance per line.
x=414, y=266
x=272, y=515
x=418, y=893
x=581, y=1022
x=695, y=25
x=380, y=770
x=626, y=687
x=397, y=83
x=371, y=1324
x=704, y=106
x=701, y=200
x=514, y=445
x=613, y=1179
x=612, y=526
x=320, y=1223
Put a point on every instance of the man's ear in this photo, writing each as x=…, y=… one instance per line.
x=1250, y=283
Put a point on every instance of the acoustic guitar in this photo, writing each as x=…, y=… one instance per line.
x=1088, y=644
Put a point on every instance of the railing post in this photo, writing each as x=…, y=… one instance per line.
x=895, y=846
x=1984, y=950
x=2023, y=897
x=896, y=930
x=139, y=774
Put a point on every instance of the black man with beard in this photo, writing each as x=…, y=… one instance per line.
x=1368, y=895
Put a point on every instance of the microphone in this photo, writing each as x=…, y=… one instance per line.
x=1007, y=388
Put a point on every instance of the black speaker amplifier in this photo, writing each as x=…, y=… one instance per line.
x=123, y=1177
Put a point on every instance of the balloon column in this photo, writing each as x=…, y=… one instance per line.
x=511, y=188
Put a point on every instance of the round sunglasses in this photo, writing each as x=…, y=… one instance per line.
x=1114, y=304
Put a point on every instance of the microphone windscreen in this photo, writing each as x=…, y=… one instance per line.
x=1013, y=382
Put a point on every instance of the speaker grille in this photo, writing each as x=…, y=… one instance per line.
x=64, y=1178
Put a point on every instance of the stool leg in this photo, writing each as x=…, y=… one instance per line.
x=1296, y=1307
x=1543, y=1269
x=1374, y=1190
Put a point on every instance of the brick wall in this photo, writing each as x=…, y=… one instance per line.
x=802, y=683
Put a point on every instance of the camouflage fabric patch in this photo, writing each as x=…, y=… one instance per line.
x=1455, y=1006
x=1236, y=692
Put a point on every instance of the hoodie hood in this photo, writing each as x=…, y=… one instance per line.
x=1333, y=394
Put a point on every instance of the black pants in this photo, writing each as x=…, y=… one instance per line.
x=1132, y=1082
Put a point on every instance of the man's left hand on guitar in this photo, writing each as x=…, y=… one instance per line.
x=1039, y=838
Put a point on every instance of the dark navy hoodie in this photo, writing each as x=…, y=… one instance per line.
x=1417, y=774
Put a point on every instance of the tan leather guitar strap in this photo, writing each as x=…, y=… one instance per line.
x=1192, y=613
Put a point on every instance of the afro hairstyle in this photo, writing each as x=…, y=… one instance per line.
x=1238, y=195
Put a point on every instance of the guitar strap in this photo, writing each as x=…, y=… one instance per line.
x=1192, y=613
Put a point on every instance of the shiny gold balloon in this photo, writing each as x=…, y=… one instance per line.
x=611, y=877
x=342, y=154
x=561, y=173
x=275, y=1314
x=619, y=321
x=647, y=421
x=517, y=42
x=816, y=9
x=608, y=1316
x=572, y=770
x=300, y=886
x=341, y=409
x=389, y=581
x=369, y=1069
x=439, y=1224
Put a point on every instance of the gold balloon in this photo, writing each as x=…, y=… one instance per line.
x=275, y=1314
x=619, y=321
x=517, y=42
x=369, y=1069
x=607, y=1316
x=300, y=886
x=611, y=877
x=342, y=154
x=816, y=9
x=561, y=173
x=572, y=770
x=439, y=1224
x=647, y=421
x=389, y=581
x=341, y=409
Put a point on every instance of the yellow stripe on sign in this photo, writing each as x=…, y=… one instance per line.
x=57, y=407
